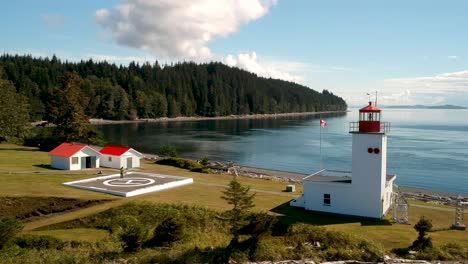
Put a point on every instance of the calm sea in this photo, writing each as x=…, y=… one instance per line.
x=426, y=148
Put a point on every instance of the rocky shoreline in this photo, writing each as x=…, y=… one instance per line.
x=95, y=121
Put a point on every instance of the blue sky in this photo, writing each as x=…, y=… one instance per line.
x=409, y=51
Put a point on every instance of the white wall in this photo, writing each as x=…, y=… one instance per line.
x=369, y=170
x=388, y=195
x=345, y=199
x=61, y=163
x=135, y=160
x=114, y=163
x=121, y=161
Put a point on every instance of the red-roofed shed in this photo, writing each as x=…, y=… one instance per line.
x=74, y=156
x=120, y=156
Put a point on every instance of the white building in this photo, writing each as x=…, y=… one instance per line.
x=72, y=156
x=367, y=190
x=118, y=156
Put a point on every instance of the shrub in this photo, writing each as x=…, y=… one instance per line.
x=168, y=232
x=273, y=249
x=9, y=228
x=204, y=161
x=455, y=251
x=258, y=225
x=132, y=235
x=39, y=242
x=184, y=164
x=450, y=251
x=330, y=245
x=168, y=151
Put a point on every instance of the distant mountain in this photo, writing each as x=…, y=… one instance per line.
x=425, y=106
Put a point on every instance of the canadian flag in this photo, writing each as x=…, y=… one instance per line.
x=323, y=123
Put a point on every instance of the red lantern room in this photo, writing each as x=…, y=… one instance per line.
x=369, y=119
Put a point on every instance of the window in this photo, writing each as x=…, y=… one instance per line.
x=110, y=159
x=326, y=199
x=74, y=160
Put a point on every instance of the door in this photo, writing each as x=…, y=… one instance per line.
x=93, y=162
x=129, y=163
x=88, y=162
x=83, y=162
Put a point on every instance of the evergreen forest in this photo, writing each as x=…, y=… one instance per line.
x=118, y=92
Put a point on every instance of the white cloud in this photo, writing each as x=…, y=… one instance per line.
x=178, y=29
x=277, y=69
x=446, y=88
x=452, y=57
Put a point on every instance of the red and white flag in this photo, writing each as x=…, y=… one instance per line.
x=323, y=123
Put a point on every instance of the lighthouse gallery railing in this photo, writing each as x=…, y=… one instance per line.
x=384, y=127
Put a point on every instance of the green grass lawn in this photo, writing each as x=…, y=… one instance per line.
x=16, y=158
x=19, y=158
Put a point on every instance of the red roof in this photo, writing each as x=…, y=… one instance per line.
x=369, y=108
x=114, y=150
x=68, y=149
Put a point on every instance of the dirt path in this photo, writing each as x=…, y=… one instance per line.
x=72, y=215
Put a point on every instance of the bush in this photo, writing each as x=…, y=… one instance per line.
x=330, y=245
x=168, y=151
x=454, y=251
x=450, y=251
x=9, y=228
x=258, y=225
x=39, y=242
x=184, y=164
x=132, y=235
x=168, y=232
x=204, y=161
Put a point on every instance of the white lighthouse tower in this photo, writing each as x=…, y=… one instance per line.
x=365, y=191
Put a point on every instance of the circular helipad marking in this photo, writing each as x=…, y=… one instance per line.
x=128, y=182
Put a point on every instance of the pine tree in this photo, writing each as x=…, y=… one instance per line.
x=14, y=112
x=242, y=201
x=423, y=226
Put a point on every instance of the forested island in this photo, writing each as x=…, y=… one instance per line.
x=136, y=91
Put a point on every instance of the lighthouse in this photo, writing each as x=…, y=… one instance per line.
x=366, y=190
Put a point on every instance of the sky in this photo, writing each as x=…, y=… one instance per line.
x=409, y=52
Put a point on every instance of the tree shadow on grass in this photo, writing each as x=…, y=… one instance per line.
x=23, y=149
x=291, y=215
x=44, y=166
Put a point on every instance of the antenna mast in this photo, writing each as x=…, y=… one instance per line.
x=375, y=98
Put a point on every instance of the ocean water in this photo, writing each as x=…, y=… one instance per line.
x=427, y=148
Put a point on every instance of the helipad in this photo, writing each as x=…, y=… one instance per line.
x=133, y=183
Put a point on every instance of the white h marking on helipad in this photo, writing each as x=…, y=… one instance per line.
x=135, y=182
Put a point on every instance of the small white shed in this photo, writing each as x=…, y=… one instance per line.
x=73, y=156
x=119, y=156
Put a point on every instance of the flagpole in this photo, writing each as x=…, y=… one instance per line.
x=321, y=161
